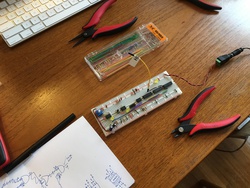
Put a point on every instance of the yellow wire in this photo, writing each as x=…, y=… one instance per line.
x=115, y=64
x=148, y=72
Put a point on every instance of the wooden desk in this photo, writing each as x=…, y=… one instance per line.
x=45, y=79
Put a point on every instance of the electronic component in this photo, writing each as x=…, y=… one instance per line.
x=135, y=103
x=115, y=56
x=147, y=95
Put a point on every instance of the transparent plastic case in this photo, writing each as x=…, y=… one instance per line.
x=115, y=56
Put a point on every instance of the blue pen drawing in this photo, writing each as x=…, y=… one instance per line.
x=114, y=178
x=110, y=175
x=91, y=183
x=41, y=180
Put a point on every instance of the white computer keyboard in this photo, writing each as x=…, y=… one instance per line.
x=22, y=19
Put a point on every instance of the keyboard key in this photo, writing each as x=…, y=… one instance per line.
x=35, y=20
x=42, y=8
x=11, y=1
x=3, y=4
x=11, y=8
x=59, y=8
x=3, y=12
x=26, y=16
x=26, y=33
x=54, y=19
x=6, y=26
x=27, y=1
x=11, y=32
x=3, y=20
x=18, y=20
x=43, y=16
x=44, y=1
x=34, y=12
x=19, y=4
x=51, y=12
x=11, y=16
x=66, y=4
x=26, y=24
x=57, y=2
x=28, y=7
x=20, y=11
x=38, y=27
x=50, y=4
x=15, y=39
x=73, y=2
x=35, y=4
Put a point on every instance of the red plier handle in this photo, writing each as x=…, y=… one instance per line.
x=113, y=29
x=191, y=111
x=205, y=5
x=4, y=156
x=106, y=30
x=214, y=125
x=96, y=17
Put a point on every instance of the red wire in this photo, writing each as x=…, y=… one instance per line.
x=192, y=84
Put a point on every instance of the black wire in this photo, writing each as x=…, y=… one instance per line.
x=246, y=48
x=245, y=140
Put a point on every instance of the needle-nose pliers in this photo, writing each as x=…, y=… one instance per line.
x=90, y=31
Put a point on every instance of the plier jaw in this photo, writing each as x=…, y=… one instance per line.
x=82, y=36
x=186, y=127
x=182, y=129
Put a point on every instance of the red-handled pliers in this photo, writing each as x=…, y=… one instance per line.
x=4, y=156
x=90, y=31
x=185, y=120
x=205, y=5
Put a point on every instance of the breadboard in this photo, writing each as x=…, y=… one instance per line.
x=115, y=56
x=135, y=103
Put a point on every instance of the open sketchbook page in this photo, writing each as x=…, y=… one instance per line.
x=75, y=158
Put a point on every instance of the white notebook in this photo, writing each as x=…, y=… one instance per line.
x=75, y=158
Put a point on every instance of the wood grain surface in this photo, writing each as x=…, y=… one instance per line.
x=44, y=80
x=224, y=169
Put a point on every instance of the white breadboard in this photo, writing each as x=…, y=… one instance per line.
x=135, y=103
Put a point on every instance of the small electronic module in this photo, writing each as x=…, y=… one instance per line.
x=136, y=102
